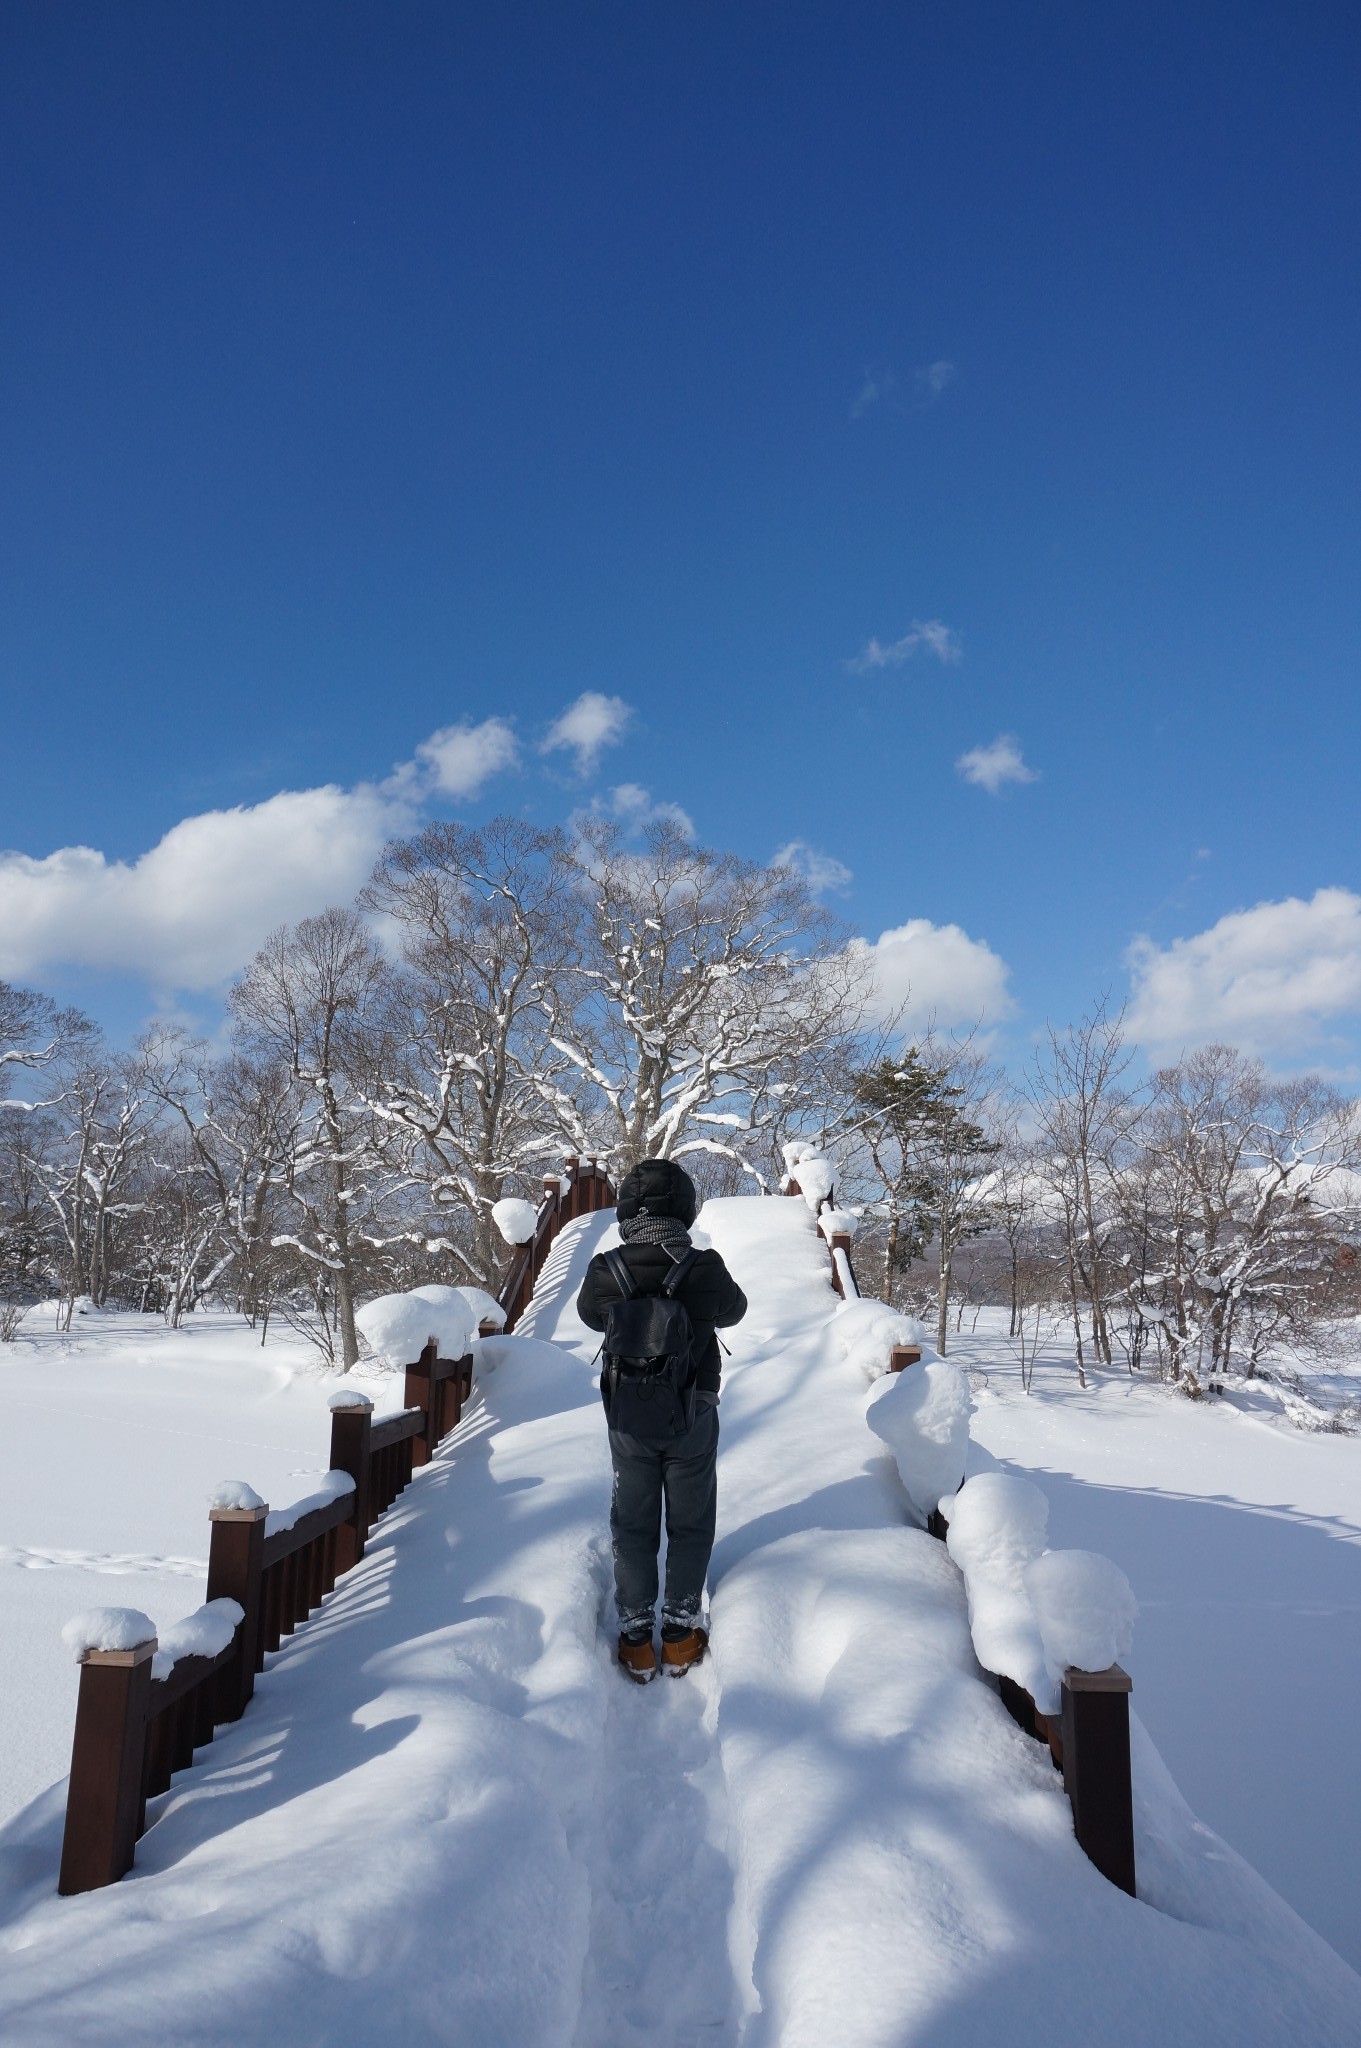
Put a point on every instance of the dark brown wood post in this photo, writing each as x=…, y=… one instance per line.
x=351, y=1426
x=903, y=1355
x=422, y=1392
x=839, y=1241
x=236, y=1562
x=542, y=1238
x=570, y=1190
x=104, y=1799
x=1096, y=1773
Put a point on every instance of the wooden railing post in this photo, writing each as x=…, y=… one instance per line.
x=903, y=1355
x=236, y=1561
x=104, y=1802
x=539, y=1243
x=839, y=1241
x=351, y=1427
x=424, y=1391
x=570, y=1189
x=1096, y=1773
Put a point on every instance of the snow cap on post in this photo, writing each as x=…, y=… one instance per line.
x=1085, y=1608
x=837, y=1223
x=816, y=1177
x=233, y=1495
x=516, y=1220
x=108, y=1628
x=348, y=1397
x=483, y=1307
x=397, y=1327
x=867, y=1332
x=923, y=1417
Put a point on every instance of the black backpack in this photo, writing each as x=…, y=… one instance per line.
x=648, y=1377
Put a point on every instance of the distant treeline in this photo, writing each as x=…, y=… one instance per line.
x=498, y=997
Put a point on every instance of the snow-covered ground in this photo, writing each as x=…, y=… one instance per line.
x=1242, y=1538
x=110, y=1442
x=445, y=1815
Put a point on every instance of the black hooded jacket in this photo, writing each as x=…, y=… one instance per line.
x=711, y=1296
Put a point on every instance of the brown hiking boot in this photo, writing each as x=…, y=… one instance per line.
x=637, y=1658
x=681, y=1648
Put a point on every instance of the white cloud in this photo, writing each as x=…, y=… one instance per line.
x=636, y=807
x=1271, y=979
x=190, y=912
x=876, y=384
x=939, y=972
x=460, y=758
x=820, y=870
x=195, y=908
x=991, y=766
x=932, y=380
x=879, y=386
x=932, y=634
x=586, y=726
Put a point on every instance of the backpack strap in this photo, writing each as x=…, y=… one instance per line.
x=679, y=1273
x=620, y=1274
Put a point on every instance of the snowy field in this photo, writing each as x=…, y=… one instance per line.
x=444, y=1813
x=112, y=1438
x=1241, y=1535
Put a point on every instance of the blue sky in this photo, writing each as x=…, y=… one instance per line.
x=375, y=370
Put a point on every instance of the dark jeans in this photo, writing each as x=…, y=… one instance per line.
x=685, y=1471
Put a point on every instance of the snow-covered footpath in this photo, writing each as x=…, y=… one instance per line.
x=445, y=1817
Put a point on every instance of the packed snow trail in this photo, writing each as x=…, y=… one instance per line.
x=446, y=1818
x=657, y=1972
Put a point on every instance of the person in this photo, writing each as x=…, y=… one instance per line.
x=657, y=1204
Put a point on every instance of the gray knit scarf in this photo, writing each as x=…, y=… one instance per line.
x=664, y=1230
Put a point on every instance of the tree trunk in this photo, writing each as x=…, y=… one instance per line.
x=943, y=1292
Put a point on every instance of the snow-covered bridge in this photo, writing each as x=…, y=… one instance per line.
x=445, y=1818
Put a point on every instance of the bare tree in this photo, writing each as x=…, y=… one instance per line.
x=315, y=999
x=104, y=1110
x=488, y=922
x=1249, y=1210
x=232, y=1125
x=33, y=1033
x=711, y=989
x=1085, y=1116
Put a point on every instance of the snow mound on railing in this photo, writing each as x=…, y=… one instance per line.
x=107, y=1628
x=1084, y=1607
x=868, y=1330
x=515, y=1219
x=923, y=1416
x=204, y=1633
x=334, y=1486
x=997, y=1527
x=1033, y=1613
x=484, y=1307
x=396, y=1327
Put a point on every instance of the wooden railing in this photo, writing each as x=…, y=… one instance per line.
x=1088, y=1738
x=580, y=1189
x=838, y=1242
x=140, y=1716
